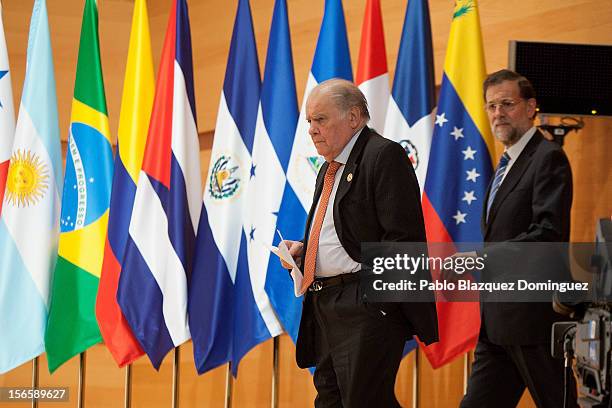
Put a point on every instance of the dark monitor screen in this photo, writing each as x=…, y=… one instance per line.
x=569, y=79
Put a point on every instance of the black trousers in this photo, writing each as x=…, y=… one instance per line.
x=501, y=373
x=359, y=348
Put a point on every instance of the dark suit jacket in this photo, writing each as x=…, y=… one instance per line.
x=532, y=205
x=380, y=203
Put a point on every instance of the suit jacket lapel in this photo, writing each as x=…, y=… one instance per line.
x=348, y=176
x=513, y=176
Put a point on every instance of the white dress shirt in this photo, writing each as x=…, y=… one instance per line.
x=332, y=259
x=516, y=149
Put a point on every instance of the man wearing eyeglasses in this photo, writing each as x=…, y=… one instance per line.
x=528, y=200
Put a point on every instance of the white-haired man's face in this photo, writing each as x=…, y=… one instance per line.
x=330, y=128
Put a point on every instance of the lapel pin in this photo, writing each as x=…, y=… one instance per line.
x=349, y=177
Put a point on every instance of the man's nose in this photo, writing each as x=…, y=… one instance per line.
x=498, y=113
x=312, y=129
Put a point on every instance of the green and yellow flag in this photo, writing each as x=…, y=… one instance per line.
x=72, y=326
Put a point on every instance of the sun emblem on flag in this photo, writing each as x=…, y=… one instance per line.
x=27, y=180
x=411, y=151
x=223, y=182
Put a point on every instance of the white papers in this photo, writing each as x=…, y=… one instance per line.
x=283, y=253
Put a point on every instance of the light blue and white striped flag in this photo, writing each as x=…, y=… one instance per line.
x=29, y=226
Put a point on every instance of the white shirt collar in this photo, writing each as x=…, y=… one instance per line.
x=516, y=149
x=342, y=158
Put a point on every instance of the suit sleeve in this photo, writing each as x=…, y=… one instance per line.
x=551, y=200
x=398, y=202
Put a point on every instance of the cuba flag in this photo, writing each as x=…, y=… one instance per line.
x=229, y=310
x=157, y=261
x=411, y=107
x=459, y=171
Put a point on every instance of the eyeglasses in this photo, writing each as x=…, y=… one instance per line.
x=506, y=105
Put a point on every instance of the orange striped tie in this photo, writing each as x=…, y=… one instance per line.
x=315, y=231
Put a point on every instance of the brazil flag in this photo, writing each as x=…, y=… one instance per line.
x=72, y=326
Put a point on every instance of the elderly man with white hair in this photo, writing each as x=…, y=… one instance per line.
x=366, y=191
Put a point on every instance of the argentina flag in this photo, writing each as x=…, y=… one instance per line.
x=229, y=310
x=29, y=226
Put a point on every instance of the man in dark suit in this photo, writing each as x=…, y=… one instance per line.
x=528, y=200
x=366, y=191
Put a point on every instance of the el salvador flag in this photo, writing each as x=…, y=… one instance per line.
x=412, y=103
x=331, y=60
x=229, y=310
x=158, y=256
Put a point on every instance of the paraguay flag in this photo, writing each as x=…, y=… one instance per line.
x=7, y=112
x=29, y=227
x=459, y=171
x=72, y=325
x=229, y=311
x=331, y=60
x=157, y=261
x=372, y=76
x=136, y=105
x=411, y=106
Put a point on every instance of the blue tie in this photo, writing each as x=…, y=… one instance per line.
x=499, y=175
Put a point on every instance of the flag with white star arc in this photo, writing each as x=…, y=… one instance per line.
x=459, y=171
x=458, y=151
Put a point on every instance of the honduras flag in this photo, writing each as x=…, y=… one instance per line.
x=158, y=256
x=279, y=111
x=29, y=227
x=411, y=106
x=332, y=60
x=229, y=311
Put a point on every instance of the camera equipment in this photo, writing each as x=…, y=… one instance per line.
x=589, y=339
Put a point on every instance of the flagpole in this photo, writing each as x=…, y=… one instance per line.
x=175, y=379
x=467, y=370
x=35, y=380
x=81, y=391
x=228, y=386
x=275, y=356
x=415, y=380
x=128, y=386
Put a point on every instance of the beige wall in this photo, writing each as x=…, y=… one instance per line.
x=581, y=21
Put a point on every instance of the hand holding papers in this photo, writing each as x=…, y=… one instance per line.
x=283, y=252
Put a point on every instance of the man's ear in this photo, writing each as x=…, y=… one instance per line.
x=531, y=108
x=354, y=117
